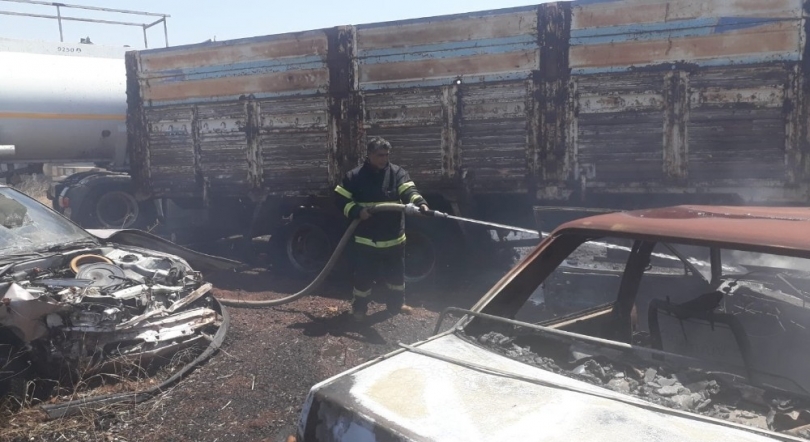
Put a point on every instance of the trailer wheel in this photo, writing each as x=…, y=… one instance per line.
x=431, y=250
x=308, y=246
x=420, y=256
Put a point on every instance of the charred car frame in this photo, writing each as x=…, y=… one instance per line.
x=681, y=323
x=76, y=302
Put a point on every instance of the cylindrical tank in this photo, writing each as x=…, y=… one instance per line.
x=62, y=102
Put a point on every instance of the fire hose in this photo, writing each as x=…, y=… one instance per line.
x=72, y=407
x=407, y=209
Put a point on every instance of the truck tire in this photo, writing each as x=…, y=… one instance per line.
x=433, y=248
x=116, y=209
x=308, y=247
x=304, y=246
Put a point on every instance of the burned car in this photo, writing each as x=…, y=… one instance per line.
x=673, y=324
x=77, y=303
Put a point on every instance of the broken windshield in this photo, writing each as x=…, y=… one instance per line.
x=27, y=226
x=720, y=332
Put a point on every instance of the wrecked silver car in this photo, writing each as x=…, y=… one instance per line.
x=78, y=303
x=684, y=323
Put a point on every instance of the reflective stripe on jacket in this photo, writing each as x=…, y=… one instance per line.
x=365, y=187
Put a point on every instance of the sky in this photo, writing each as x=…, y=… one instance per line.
x=195, y=21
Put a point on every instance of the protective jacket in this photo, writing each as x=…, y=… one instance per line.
x=364, y=186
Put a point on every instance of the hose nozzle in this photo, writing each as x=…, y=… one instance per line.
x=411, y=209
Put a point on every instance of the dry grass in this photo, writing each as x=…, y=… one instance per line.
x=35, y=186
x=31, y=424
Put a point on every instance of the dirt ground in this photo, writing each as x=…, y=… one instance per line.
x=252, y=390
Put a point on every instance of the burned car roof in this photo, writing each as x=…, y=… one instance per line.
x=782, y=228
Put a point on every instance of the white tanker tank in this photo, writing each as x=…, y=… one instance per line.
x=62, y=102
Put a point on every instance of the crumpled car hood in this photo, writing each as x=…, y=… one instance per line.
x=132, y=300
x=416, y=397
x=138, y=238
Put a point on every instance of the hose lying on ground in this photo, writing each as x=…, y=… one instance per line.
x=308, y=290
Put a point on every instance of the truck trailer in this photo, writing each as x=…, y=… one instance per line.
x=497, y=115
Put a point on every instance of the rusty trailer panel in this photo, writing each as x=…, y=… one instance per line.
x=619, y=35
x=412, y=120
x=172, y=164
x=493, y=135
x=683, y=97
x=288, y=64
x=606, y=13
x=451, y=93
x=308, y=81
x=765, y=43
x=487, y=46
x=216, y=86
x=632, y=103
x=223, y=147
x=737, y=131
x=175, y=61
x=293, y=135
x=584, y=101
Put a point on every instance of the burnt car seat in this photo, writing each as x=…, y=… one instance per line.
x=706, y=335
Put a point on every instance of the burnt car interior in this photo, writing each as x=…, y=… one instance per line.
x=710, y=330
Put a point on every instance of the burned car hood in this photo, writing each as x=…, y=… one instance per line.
x=410, y=396
x=138, y=238
x=91, y=307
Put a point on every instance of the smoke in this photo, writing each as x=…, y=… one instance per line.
x=747, y=259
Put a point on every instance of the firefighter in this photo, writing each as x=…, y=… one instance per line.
x=379, y=241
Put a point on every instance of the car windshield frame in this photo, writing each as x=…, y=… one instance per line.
x=30, y=227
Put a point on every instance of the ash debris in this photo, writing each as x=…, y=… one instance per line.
x=716, y=395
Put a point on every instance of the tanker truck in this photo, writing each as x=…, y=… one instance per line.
x=63, y=103
x=498, y=115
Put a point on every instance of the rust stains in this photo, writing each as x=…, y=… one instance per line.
x=137, y=133
x=229, y=86
x=797, y=110
x=676, y=117
x=345, y=105
x=450, y=67
x=781, y=37
x=294, y=45
x=543, y=107
x=551, y=92
x=618, y=13
x=460, y=29
x=451, y=117
x=762, y=228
